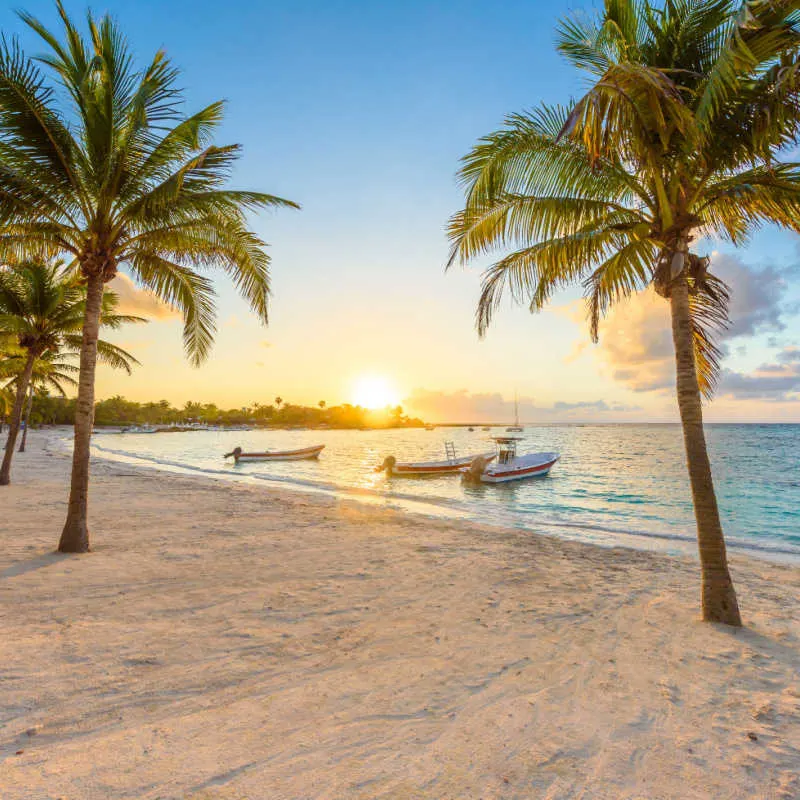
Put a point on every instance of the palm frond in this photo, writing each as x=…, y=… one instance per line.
x=185, y=290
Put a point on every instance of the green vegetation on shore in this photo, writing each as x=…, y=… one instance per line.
x=117, y=410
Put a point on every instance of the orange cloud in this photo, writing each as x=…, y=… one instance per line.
x=636, y=337
x=464, y=406
x=636, y=343
x=140, y=302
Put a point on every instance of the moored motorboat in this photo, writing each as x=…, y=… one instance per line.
x=452, y=464
x=276, y=455
x=508, y=465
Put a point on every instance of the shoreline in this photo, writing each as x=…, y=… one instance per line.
x=663, y=542
x=222, y=641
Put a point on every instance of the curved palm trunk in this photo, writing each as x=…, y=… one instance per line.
x=719, y=596
x=75, y=536
x=27, y=420
x=16, y=418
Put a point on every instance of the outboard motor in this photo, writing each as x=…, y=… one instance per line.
x=236, y=452
x=476, y=468
x=387, y=466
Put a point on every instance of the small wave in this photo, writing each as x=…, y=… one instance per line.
x=288, y=482
x=560, y=521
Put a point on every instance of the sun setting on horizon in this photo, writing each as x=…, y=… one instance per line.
x=375, y=391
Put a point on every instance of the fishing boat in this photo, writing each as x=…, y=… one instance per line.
x=276, y=455
x=508, y=465
x=516, y=427
x=451, y=465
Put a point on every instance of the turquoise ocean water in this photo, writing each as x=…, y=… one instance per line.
x=615, y=484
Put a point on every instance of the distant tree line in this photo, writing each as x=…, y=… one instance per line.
x=51, y=410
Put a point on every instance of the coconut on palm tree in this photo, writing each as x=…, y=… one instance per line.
x=679, y=136
x=42, y=308
x=97, y=162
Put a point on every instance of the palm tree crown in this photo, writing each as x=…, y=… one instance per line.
x=676, y=138
x=118, y=176
x=42, y=308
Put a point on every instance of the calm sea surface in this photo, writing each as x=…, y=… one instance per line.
x=615, y=484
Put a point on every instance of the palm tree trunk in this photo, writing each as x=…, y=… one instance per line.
x=27, y=420
x=16, y=417
x=75, y=536
x=718, y=594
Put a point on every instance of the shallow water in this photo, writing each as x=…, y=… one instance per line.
x=614, y=484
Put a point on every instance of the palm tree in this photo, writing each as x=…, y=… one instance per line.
x=43, y=307
x=678, y=136
x=49, y=372
x=278, y=401
x=6, y=404
x=98, y=163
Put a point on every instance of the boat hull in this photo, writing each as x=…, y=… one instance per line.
x=281, y=455
x=423, y=468
x=522, y=468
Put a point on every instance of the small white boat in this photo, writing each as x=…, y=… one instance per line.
x=140, y=429
x=276, y=455
x=509, y=466
x=449, y=466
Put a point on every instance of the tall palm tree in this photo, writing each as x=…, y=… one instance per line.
x=43, y=307
x=678, y=136
x=50, y=371
x=47, y=373
x=6, y=404
x=97, y=162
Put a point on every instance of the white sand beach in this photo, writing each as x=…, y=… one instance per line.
x=224, y=641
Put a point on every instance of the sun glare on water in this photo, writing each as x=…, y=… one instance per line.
x=374, y=391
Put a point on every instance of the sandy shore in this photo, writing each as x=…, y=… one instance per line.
x=224, y=641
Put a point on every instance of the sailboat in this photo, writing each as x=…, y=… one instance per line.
x=516, y=427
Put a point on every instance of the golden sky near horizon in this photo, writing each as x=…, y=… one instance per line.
x=423, y=353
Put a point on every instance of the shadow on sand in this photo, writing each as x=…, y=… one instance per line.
x=31, y=564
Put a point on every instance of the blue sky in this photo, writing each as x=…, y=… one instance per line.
x=360, y=112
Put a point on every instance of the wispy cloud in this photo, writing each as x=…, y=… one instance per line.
x=778, y=381
x=636, y=341
x=464, y=406
x=140, y=302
